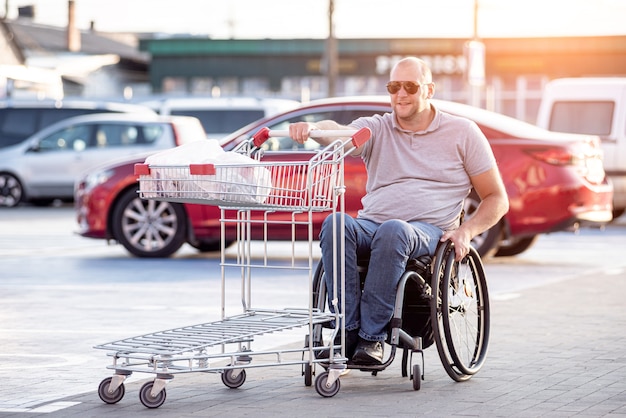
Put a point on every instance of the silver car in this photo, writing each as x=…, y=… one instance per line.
x=45, y=166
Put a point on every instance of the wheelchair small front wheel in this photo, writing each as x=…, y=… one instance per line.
x=417, y=377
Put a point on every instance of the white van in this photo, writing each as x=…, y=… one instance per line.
x=595, y=106
x=221, y=116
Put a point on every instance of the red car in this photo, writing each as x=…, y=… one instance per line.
x=554, y=182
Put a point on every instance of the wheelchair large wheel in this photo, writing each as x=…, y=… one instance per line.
x=319, y=289
x=460, y=312
x=320, y=302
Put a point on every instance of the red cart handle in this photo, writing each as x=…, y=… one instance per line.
x=358, y=137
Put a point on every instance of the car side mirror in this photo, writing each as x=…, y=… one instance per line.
x=34, y=147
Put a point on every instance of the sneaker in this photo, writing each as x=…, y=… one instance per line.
x=352, y=338
x=368, y=353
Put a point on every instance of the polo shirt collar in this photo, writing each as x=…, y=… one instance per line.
x=434, y=125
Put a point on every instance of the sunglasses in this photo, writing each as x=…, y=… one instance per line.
x=409, y=86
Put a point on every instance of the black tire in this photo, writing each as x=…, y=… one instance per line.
x=436, y=307
x=149, y=228
x=41, y=202
x=11, y=190
x=466, y=313
x=515, y=246
x=210, y=246
x=486, y=243
x=319, y=300
x=322, y=389
x=231, y=381
x=308, y=374
x=417, y=377
x=460, y=321
x=106, y=396
x=148, y=400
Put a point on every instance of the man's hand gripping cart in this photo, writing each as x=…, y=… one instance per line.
x=256, y=195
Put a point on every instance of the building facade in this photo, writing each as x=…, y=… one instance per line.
x=515, y=69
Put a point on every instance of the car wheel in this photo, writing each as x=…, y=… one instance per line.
x=11, y=190
x=512, y=247
x=149, y=228
x=486, y=244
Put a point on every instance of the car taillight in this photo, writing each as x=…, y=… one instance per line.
x=585, y=157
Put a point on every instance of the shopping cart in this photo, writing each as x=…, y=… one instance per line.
x=249, y=195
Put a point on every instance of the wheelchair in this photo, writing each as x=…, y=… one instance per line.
x=438, y=301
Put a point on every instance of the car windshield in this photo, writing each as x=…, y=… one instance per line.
x=340, y=115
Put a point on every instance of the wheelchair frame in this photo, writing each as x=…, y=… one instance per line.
x=457, y=295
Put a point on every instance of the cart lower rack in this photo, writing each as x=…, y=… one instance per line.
x=197, y=338
x=188, y=349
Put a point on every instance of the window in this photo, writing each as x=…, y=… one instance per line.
x=72, y=138
x=594, y=118
x=343, y=117
x=16, y=125
x=151, y=133
x=113, y=135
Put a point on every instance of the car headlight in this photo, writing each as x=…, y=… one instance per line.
x=96, y=178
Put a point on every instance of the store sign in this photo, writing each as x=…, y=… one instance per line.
x=439, y=64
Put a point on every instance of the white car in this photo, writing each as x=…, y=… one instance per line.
x=45, y=166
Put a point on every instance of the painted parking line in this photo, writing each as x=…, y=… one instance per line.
x=43, y=409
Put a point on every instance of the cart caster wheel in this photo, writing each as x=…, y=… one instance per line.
x=308, y=375
x=322, y=388
x=147, y=399
x=231, y=381
x=417, y=377
x=108, y=397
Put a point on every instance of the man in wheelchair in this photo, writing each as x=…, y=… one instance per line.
x=421, y=165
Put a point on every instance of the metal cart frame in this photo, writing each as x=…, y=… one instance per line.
x=299, y=188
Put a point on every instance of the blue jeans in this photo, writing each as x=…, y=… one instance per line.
x=389, y=246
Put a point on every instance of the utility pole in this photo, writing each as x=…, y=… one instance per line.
x=475, y=32
x=332, y=58
x=475, y=56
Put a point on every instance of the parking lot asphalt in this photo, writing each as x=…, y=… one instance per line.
x=555, y=350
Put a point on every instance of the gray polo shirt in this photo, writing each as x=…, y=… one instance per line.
x=425, y=175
